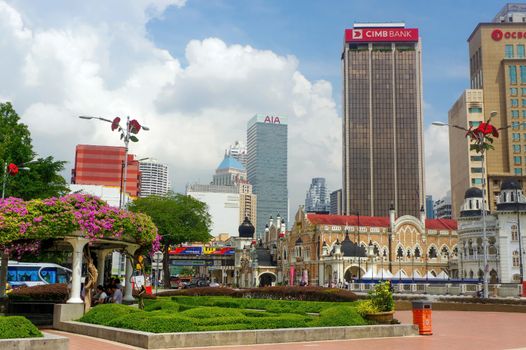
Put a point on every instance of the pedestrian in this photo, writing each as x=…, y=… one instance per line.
x=116, y=296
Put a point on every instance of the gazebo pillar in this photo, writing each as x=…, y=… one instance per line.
x=78, y=244
x=128, y=297
x=101, y=259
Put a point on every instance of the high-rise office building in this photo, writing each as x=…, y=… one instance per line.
x=154, y=179
x=239, y=152
x=442, y=207
x=229, y=172
x=336, y=202
x=430, y=213
x=382, y=124
x=465, y=164
x=267, y=167
x=317, y=199
x=104, y=165
x=497, y=58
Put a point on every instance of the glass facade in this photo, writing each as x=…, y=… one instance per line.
x=382, y=129
x=267, y=169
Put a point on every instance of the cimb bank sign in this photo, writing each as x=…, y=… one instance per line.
x=381, y=34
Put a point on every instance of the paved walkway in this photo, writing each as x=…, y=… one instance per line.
x=452, y=330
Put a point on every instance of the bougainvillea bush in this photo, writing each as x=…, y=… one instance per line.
x=34, y=220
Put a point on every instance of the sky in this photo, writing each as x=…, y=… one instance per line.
x=195, y=71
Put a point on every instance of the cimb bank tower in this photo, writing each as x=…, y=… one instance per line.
x=383, y=163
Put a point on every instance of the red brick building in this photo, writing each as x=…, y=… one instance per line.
x=103, y=165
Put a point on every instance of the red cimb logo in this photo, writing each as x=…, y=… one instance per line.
x=496, y=34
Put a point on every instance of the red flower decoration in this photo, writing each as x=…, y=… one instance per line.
x=115, y=123
x=486, y=129
x=134, y=126
x=12, y=169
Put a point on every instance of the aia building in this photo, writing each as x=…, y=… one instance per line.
x=267, y=167
x=383, y=161
x=103, y=165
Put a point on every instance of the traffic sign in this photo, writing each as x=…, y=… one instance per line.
x=158, y=256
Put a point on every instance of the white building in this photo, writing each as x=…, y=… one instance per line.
x=106, y=193
x=239, y=151
x=442, y=207
x=504, y=230
x=223, y=206
x=154, y=179
x=317, y=199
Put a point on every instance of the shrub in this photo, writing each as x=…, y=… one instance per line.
x=366, y=307
x=339, y=316
x=382, y=297
x=167, y=305
x=154, y=324
x=105, y=313
x=47, y=292
x=201, y=291
x=278, y=292
x=211, y=312
x=17, y=327
x=298, y=293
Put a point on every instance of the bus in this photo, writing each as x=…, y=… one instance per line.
x=34, y=274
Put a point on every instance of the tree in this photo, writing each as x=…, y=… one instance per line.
x=43, y=180
x=178, y=218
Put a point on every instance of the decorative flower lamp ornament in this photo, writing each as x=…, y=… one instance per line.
x=482, y=136
x=12, y=169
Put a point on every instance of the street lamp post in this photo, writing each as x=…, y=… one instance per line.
x=127, y=135
x=479, y=138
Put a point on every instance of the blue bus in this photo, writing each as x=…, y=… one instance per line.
x=34, y=274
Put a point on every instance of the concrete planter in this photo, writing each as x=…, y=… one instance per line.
x=48, y=342
x=381, y=317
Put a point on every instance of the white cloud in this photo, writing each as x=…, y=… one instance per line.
x=99, y=60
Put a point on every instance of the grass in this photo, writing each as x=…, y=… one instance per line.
x=211, y=313
x=17, y=327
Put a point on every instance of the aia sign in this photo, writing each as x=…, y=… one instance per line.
x=498, y=35
x=271, y=120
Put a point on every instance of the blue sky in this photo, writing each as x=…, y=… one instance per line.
x=313, y=31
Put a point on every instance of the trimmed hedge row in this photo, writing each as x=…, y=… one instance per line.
x=187, y=314
x=278, y=292
x=47, y=292
x=17, y=327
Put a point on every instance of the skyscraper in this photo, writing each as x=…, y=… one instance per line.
x=239, y=152
x=154, y=179
x=497, y=59
x=103, y=165
x=317, y=199
x=382, y=123
x=267, y=167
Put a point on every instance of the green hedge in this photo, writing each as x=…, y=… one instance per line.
x=17, y=327
x=187, y=314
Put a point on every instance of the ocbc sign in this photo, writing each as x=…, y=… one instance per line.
x=498, y=34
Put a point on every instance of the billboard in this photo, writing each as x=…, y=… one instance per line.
x=381, y=35
x=202, y=250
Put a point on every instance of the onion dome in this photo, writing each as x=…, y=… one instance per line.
x=473, y=192
x=510, y=185
x=246, y=229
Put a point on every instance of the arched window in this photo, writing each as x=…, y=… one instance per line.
x=408, y=253
x=444, y=251
x=417, y=252
x=432, y=252
x=478, y=204
x=400, y=252
x=471, y=274
x=376, y=251
x=514, y=233
x=516, y=260
x=512, y=197
x=470, y=204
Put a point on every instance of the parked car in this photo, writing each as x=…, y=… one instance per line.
x=196, y=283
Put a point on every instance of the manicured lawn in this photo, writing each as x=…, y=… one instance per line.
x=190, y=314
x=17, y=327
